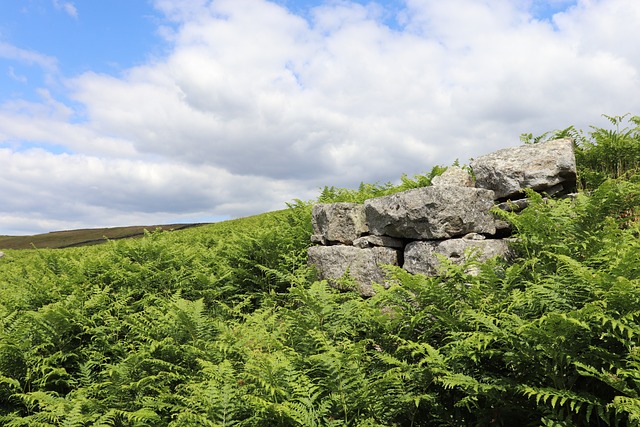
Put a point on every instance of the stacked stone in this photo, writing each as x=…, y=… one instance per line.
x=451, y=218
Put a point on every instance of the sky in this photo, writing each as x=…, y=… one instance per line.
x=143, y=112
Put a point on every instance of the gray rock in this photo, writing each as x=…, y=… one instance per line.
x=438, y=212
x=1, y=254
x=318, y=239
x=362, y=265
x=503, y=228
x=338, y=222
x=536, y=166
x=454, y=175
x=473, y=236
x=422, y=257
x=514, y=205
x=371, y=241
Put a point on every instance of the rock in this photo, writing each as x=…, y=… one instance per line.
x=422, y=257
x=362, y=265
x=537, y=166
x=1, y=254
x=454, y=175
x=503, y=228
x=338, y=223
x=371, y=241
x=438, y=212
x=473, y=236
x=555, y=190
x=514, y=205
x=318, y=239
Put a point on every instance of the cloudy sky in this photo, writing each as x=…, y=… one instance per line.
x=126, y=112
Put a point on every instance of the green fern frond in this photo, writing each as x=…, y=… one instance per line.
x=627, y=405
x=567, y=399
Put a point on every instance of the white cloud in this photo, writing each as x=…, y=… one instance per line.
x=67, y=7
x=42, y=187
x=254, y=106
x=11, y=72
x=29, y=57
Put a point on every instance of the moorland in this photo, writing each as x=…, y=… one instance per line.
x=226, y=325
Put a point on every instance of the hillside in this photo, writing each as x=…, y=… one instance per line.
x=226, y=325
x=94, y=236
x=82, y=237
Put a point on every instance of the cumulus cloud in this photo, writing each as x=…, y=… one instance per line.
x=253, y=105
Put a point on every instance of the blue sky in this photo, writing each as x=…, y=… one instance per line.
x=128, y=112
x=103, y=36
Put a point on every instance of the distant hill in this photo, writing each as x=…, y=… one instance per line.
x=83, y=237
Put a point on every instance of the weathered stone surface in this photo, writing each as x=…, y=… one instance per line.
x=363, y=265
x=536, y=166
x=371, y=241
x=431, y=213
x=422, y=257
x=454, y=175
x=338, y=222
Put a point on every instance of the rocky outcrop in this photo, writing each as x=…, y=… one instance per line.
x=362, y=265
x=439, y=212
x=540, y=167
x=426, y=257
x=417, y=229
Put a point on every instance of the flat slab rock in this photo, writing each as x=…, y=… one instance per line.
x=363, y=265
x=422, y=257
x=429, y=213
x=537, y=166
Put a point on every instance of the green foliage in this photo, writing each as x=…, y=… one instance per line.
x=369, y=191
x=610, y=153
x=601, y=153
x=223, y=325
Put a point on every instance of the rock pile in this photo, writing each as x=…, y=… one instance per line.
x=452, y=218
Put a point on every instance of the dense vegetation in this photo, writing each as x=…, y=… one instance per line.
x=224, y=325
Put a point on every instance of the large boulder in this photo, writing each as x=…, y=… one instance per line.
x=537, y=166
x=424, y=257
x=426, y=213
x=338, y=222
x=362, y=265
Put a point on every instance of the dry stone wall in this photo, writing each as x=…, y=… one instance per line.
x=415, y=228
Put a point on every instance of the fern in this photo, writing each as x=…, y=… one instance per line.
x=565, y=401
x=626, y=405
